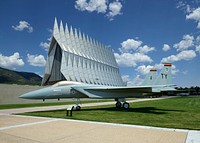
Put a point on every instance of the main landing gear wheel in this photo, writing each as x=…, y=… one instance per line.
x=118, y=105
x=126, y=105
x=78, y=108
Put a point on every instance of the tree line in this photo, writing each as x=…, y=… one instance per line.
x=193, y=90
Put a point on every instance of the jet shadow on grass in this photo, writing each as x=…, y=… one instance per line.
x=148, y=110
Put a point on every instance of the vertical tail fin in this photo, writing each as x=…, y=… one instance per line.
x=165, y=76
x=150, y=77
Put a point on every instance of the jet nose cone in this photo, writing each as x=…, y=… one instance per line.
x=21, y=96
x=37, y=94
x=25, y=96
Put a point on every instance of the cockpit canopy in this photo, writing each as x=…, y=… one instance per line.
x=64, y=83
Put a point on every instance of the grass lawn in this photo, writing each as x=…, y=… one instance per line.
x=11, y=106
x=181, y=112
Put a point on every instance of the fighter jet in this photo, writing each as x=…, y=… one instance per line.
x=153, y=83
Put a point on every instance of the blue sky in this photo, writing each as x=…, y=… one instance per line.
x=142, y=33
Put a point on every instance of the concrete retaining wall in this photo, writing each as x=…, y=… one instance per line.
x=9, y=94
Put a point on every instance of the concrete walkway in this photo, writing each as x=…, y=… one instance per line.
x=44, y=130
x=24, y=129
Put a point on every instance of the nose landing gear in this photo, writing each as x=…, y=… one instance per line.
x=78, y=107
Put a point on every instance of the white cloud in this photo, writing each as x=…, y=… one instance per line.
x=145, y=49
x=180, y=4
x=183, y=55
x=131, y=60
x=166, y=47
x=46, y=45
x=132, y=81
x=195, y=15
x=22, y=26
x=125, y=78
x=185, y=72
x=114, y=9
x=100, y=6
x=36, y=60
x=198, y=48
x=170, y=59
x=198, y=44
x=91, y=5
x=188, y=41
x=132, y=53
x=174, y=70
x=143, y=70
x=11, y=61
x=198, y=40
x=184, y=6
x=136, y=81
x=130, y=44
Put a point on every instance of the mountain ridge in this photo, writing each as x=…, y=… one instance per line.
x=8, y=76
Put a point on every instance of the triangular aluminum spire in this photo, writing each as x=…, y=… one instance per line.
x=87, y=39
x=80, y=35
x=61, y=27
x=77, y=42
x=76, y=33
x=71, y=31
x=56, y=33
x=55, y=27
x=68, y=40
x=90, y=41
x=66, y=31
x=62, y=35
x=84, y=38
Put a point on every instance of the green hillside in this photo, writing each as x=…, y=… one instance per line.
x=14, y=77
